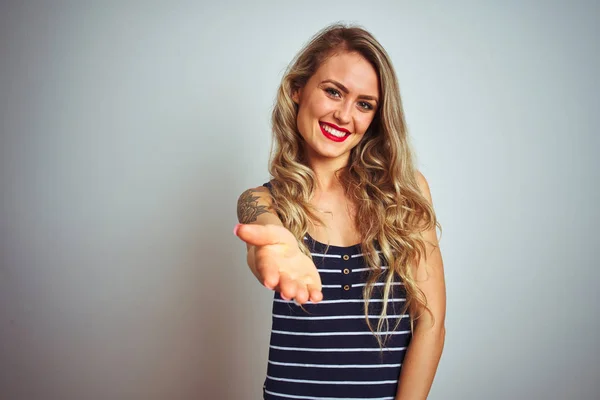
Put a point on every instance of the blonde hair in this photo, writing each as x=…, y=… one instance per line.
x=379, y=178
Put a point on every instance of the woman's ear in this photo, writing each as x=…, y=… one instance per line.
x=296, y=95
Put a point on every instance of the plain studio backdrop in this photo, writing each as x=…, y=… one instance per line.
x=129, y=129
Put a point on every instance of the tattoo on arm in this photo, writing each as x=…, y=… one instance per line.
x=247, y=207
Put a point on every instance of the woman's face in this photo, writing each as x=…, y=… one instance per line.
x=336, y=106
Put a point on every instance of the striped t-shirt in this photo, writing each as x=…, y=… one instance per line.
x=327, y=351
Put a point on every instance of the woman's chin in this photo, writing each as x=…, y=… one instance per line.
x=328, y=155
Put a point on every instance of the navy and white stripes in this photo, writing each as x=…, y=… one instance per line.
x=327, y=351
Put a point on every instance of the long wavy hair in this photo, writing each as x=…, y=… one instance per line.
x=379, y=178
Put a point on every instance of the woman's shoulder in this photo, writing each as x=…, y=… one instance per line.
x=254, y=202
x=262, y=192
x=423, y=185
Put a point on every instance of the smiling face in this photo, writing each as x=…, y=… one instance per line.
x=336, y=107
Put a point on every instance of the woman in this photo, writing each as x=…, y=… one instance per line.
x=345, y=232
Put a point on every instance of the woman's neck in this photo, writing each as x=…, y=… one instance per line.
x=326, y=174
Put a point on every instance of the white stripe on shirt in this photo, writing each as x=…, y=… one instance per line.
x=352, y=270
x=336, y=317
x=341, y=301
x=291, y=396
x=337, y=349
x=333, y=382
x=337, y=333
x=286, y=364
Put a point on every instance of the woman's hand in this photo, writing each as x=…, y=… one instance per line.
x=277, y=262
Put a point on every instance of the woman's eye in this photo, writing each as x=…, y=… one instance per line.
x=365, y=105
x=333, y=92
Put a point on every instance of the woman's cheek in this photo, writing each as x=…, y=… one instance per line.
x=364, y=125
x=321, y=105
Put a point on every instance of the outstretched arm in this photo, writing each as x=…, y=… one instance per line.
x=273, y=253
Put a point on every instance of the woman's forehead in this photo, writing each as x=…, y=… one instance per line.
x=352, y=70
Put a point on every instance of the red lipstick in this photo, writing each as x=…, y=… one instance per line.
x=332, y=137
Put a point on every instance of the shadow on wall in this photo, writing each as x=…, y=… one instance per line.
x=227, y=310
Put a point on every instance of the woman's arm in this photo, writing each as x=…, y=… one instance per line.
x=274, y=256
x=425, y=349
x=255, y=206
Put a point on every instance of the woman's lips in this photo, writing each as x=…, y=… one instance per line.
x=333, y=137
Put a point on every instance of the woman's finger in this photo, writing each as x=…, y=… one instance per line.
x=268, y=273
x=270, y=278
x=301, y=293
x=315, y=294
x=287, y=286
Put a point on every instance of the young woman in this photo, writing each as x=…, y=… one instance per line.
x=345, y=232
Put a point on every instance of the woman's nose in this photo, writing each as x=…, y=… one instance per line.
x=343, y=114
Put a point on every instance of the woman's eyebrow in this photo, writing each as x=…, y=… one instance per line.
x=345, y=90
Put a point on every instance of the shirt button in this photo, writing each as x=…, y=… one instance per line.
x=346, y=287
x=346, y=257
x=346, y=271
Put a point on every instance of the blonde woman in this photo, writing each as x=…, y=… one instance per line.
x=345, y=232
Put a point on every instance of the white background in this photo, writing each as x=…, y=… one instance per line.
x=128, y=130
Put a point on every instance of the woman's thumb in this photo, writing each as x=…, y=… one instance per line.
x=258, y=235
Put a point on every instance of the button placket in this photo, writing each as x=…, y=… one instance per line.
x=346, y=284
